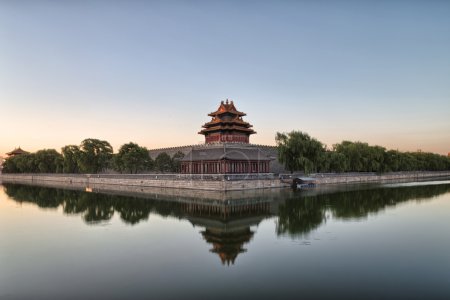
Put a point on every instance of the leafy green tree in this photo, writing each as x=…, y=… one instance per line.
x=95, y=155
x=10, y=166
x=392, y=160
x=24, y=163
x=376, y=159
x=337, y=162
x=353, y=153
x=163, y=162
x=71, y=155
x=176, y=161
x=48, y=161
x=298, y=151
x=361, y=157
x=407, y=162
x=132, y=158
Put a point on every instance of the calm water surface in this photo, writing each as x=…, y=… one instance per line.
x=374, y=242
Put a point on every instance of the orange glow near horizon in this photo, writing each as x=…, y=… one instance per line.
x=172, y=137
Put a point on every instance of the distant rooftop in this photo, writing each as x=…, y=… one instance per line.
x=17, y=151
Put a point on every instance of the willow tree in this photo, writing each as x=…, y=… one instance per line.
x=95, y=155
x=297, y=151
x=71, y=157
x=163, y=162
x=48, y=161
x=176, y=161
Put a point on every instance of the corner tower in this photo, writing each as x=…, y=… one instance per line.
x=227, y=125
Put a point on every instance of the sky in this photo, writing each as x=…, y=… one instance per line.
x=150, y=71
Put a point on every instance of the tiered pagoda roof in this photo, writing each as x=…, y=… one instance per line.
x=226, y=128
x=17, y=151
x=227, y=120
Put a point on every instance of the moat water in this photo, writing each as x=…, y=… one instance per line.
x=388, y=241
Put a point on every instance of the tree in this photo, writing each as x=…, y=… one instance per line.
x=163, y=162
x=176, y=161
x=337, y=162
x=24, y=163
x=71, y=155
x=361, y=157
x=48, y=161
x=95, y=155
x=392, y=160
x=10, y=166
x=353, y=153
x=298, y=151
x=132, y=158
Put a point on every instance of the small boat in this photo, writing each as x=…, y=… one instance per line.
x=302, y=183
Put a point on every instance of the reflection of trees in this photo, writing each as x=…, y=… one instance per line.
x=72, y=204
x=227, y=227
x=299, y=215
x=133, y=212
x=98, y=207
x=44, y=198
x=93, y=207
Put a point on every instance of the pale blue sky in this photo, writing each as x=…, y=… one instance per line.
x=150, y=71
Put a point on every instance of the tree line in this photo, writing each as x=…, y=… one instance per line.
x=296, y=150
x=297, y=215
x=300, y=152
x=93, y=156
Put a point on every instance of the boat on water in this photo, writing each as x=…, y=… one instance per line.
x=302, y=183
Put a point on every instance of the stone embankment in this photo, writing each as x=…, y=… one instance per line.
x=374, y=177
x=213, y=182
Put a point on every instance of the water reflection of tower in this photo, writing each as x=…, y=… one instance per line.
x=228, y=226
x=228, y=244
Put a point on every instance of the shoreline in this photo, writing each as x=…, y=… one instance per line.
x=207, y=182
x=358, y=178
x=210, y=182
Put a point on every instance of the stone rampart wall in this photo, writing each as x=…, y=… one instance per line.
x=91, y=180
x=371, y=177
x=213, y=185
